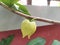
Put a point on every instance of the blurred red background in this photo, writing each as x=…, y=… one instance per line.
x=50, y=33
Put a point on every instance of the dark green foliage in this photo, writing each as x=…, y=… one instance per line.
x=7, y=41
x=37, y=41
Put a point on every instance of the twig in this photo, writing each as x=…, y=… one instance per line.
x=27, y=16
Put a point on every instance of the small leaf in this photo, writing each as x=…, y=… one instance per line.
x=22, y=9
x=37, y=41
x=2, y=42
x=7, y=41
x=56, y=42
x=10, y=3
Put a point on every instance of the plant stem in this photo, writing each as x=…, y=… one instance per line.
x=27, y=16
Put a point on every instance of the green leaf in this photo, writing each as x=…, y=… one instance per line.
x=7, y=41
x=2, y=42
x=22, y=9
x=17, y=6
x=56, y=42
x=37, y=41
x=10, y=3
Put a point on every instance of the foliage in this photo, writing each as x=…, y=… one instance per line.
x=9, y=2
x=37, y=41
x=56, y=42
x=7, y=41
x=12, y=3
x=22, y=9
